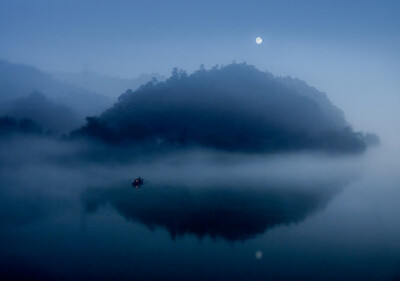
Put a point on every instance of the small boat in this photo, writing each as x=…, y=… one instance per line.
x=138, y=182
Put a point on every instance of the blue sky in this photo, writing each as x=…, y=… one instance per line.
x=349, y=49
x=128, y=37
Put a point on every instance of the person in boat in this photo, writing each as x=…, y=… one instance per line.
x=137, y=182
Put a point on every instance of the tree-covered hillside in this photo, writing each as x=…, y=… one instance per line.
x=236, y=108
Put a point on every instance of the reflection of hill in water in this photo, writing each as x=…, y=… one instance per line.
x=232, y=214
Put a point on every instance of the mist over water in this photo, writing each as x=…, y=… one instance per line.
x=215, y=204
x=270, y=161
x=199, y=209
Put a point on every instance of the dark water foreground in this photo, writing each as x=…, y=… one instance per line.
x=90, y=224
x=226, y=213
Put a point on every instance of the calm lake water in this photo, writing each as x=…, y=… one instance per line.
x=282, y=217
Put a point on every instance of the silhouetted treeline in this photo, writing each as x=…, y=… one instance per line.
x=13, y=126
x=52, y=116
x=371, y=139
x=235, y=107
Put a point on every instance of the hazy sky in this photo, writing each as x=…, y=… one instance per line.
x=349, y=49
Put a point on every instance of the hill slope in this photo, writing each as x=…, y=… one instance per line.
x=236, y=107
x=51, y=116
x=18, y=80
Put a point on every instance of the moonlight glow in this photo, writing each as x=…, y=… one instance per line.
x=258, y=40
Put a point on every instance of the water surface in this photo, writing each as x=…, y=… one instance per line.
x=201, y=218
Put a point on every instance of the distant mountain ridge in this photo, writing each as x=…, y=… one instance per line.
x=18, y=80
x=236, y=108
x=53, y=117
x=108, y=86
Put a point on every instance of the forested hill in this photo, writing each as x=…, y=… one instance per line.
x=235, y=107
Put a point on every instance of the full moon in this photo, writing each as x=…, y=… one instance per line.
x=258, y=40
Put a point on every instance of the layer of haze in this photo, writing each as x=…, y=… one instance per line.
x=347, y=49
x=62, y=217
x=65, y=210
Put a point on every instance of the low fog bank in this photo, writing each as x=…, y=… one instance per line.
x=42, y=177
x=189, y=165
x=48, y=189
x=47, y=174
